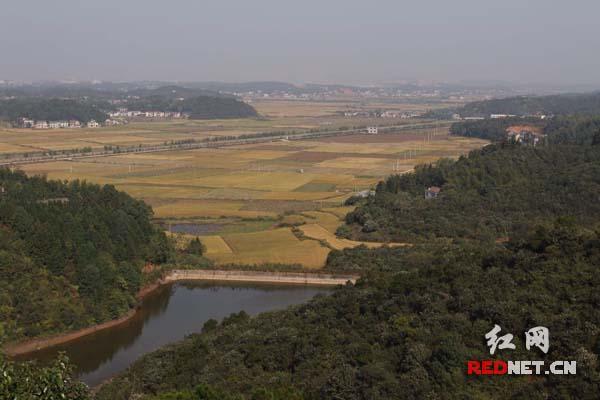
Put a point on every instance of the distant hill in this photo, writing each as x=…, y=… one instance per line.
x=204, y=107
x=86, y=103
x=52, y=109
x=588, y=103
x=174, y=92
x=267, y=86
x=198, y=107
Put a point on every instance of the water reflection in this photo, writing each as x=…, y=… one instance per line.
x=168, y=315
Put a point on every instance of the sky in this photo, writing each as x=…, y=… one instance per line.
x=325, y=41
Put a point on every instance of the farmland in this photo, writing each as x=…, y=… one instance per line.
x=276, y=116
x=276, y=202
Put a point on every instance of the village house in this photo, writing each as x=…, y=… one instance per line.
x=61, y=200
x=432, y=192
x=41, y=125
x=389, y=114
x=365, y=193
x=74, y=124
x=58, y=124
x=372, y=130
x=525, y=134
x=124, y=113
x=26, y=123
x=93, y=124
x=498, y=116
x=111, y=122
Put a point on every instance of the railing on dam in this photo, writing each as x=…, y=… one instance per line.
x=303, y=278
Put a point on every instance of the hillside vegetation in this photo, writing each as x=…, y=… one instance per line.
x=71, y=255
x=578, y=129
x=199, y=107
x=561, y=104
x=526, y=106
x=493, y=193
x=51, y=109
x=408, y=327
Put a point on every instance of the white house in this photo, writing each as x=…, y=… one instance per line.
x=372, y=130
x=58, y=124
x=26, y=122
x=93, y=124
x=41, y=125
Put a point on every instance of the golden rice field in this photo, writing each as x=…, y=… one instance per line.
x=252, y=194
x=302, y=183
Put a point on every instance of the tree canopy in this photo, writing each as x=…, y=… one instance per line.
x=71, y=254
x=51, y=109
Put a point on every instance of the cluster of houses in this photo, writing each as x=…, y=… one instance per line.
x=116, y=118
x=382, y=114
x=30, y=123
x=500, y=116
x=125, y=113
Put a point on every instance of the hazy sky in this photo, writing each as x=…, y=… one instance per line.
x=344, y=41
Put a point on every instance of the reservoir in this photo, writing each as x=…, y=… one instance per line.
x=168, y=315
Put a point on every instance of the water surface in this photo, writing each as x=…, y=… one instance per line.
x=168, y=315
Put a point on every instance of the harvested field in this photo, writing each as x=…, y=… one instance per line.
x=248, y=190
x=385, y=138
x=274, y=246
x=216, y=245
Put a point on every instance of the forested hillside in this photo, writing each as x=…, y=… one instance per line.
x=71, y=255
x=491, y=129
x=493, y=193
x=52, y=109
x=525, y=106
x=562, y=104
x=577, y=129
